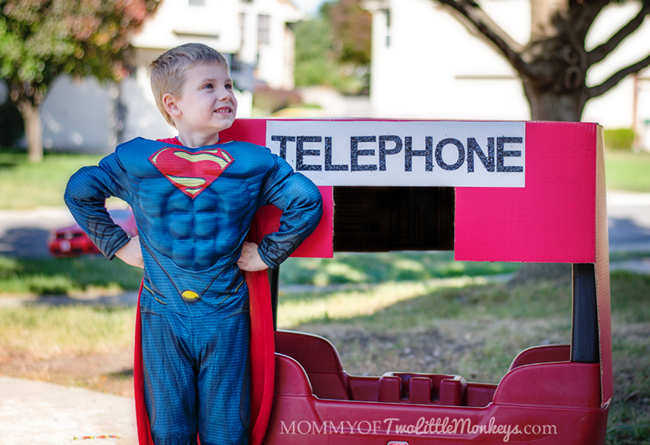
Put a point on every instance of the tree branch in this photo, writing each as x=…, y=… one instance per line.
x=584, y=13
x=601, y=51
x=617, y=77
x=473, y=13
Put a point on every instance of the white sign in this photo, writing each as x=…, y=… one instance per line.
x=403, y=153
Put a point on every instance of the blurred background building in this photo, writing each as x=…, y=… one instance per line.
x=256, y=37
x=424, y=64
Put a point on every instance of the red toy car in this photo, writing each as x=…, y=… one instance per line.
x=489, y=191
x=71, y=241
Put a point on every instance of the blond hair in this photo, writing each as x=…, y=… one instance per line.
x=168, y=70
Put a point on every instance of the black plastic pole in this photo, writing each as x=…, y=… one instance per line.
x=274, y=282
x=584, y=327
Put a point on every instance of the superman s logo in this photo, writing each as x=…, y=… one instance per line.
x=191, y=172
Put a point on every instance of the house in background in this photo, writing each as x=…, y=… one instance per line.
x=427, y=65
x=255, y=36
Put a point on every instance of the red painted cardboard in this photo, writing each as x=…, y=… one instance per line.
x=559, y=216
x=319, y=244
x=552, y=219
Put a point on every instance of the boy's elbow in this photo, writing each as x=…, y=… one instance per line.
x=319, y=206
x=73, y=189
x=83, y=186
x=313, y=200
x=315, y=207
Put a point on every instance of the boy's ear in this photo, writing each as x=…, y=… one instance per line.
x=170, y=105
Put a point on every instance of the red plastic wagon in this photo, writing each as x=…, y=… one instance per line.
x=491, y=191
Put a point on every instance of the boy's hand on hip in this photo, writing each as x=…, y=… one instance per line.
x=250, y=260
x=131, y=253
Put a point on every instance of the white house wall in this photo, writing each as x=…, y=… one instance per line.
x=434, y=68
x=83, y=116
x=142, y=117
x=178, y=22
x=87, y=116
x=417, y=74
x=79, y=116
x=614, y=109
x=274, y=60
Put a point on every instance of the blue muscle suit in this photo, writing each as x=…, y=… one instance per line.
x=193, y=207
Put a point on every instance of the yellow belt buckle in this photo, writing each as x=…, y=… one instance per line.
x=190, y=296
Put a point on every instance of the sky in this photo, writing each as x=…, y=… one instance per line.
x=309, y=6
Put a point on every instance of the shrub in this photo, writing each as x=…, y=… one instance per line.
x=619, y=139
x=270, y=100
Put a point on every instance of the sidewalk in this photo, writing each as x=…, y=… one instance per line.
x=37, y=413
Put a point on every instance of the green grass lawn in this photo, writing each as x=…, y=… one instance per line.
x=24, y=185
x=48, y=276
x=627, y=171
x=409, y=311
x=349, y=268
x=461, y=326
x=475, y=330
x=46, y=332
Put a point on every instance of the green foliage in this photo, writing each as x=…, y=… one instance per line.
x=270, y=100
x=315, y=63
x=39, y=40
x=334, y=49
x=352, y=26
x=619, y=139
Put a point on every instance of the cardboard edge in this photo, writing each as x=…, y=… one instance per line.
x=602, y=276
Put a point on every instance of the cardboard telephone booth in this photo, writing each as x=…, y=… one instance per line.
x=491, y=191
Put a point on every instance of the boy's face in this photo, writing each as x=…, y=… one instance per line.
x=207, y=103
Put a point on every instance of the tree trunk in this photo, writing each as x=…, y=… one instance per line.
x=557, y=90
x=32, y=117
x=558, y=94
x=564, y=106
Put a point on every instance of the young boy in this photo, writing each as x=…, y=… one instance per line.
x=194, y=199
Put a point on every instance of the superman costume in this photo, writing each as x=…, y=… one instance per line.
x=194, y=207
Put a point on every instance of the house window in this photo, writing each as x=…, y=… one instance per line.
x=235, y=64
x=242, y=29
x=197, y=2
x=263, y=29
x=387, y=11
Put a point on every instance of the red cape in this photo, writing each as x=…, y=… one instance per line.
x=262, y=351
